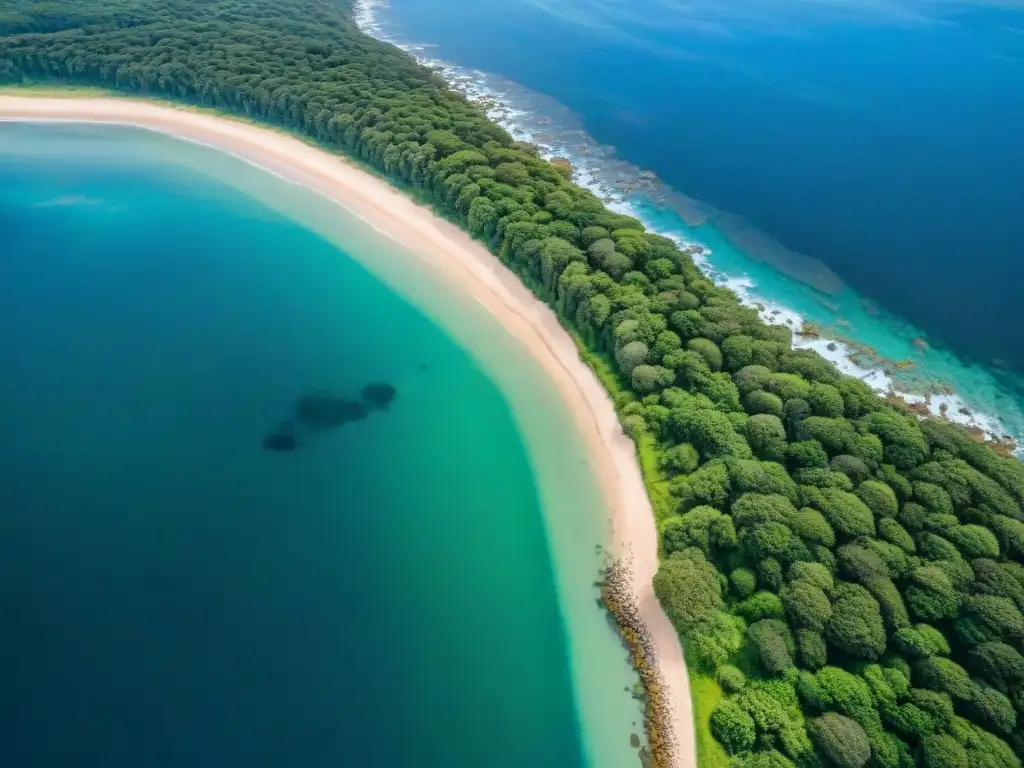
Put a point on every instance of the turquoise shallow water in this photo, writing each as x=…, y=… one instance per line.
x=412, y=589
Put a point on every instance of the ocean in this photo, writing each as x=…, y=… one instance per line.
x=852, y=165
x=414, y=586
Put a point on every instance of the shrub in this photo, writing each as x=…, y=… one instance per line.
x=680, y=459
x=767, y=437
x=837, y=436
x=651, y=378
x=731, y=679
x=940, y=750
x=630, y=356
x=920, y=641
x=999, y=664
x=859, y=564
x=825, y=400
x=879, y=498
x=992, y=578
x=933, y=498
x=743, y=582
x=895, y=533
x=760, y=401
x=814, y=573
x=895, y=559
x=709, y=486
x=852, y=467
x=769, y=571
x=807, y=454
x=687, y=586
x=930, y=596
x=848, y=515
x=716, y=639
x=707, y=349
x=751, y=378
x=705, y=528
x=974, y=541
x=912, y=516
x=944, y=675
x=822, y=478
x=813, y=652
x=761, y=605
x=856, y=624
x=773, y=643
x=988, y=618
x=788, y=386
x=841, y=740
x=846, y=693
x=992, y=710
x=811, y=526
x=733, y=727
x=768, y=759
x=806, y=605
x=902, y=438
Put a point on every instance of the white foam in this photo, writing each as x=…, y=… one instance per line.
x=548, y=125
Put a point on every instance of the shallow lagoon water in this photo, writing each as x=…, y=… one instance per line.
x=412, y=589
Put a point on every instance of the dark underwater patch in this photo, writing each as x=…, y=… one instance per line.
x=379, y=396
x=323, y=410
x=281, y=440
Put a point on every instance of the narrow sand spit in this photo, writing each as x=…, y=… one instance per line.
x=470, y=268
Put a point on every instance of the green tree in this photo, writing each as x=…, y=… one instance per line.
x=760, y=401
x=687, y=586
x=806, y=605
x=743, y=582
x=813, y=651
x=879, y=498
x=852, y=467
x=941, y=750
x=708, y=350
x=841, y=740
x=856, y=623
x=733, y=727
x=767, y=437
x=731, y=679
x=930, y=596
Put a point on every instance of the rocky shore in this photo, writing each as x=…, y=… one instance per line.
x=617, y=594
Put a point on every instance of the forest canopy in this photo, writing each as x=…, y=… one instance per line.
x=850, y=573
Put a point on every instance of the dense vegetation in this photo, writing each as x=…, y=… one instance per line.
x=850, y=574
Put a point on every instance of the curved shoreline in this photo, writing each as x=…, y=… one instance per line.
x=470, y=268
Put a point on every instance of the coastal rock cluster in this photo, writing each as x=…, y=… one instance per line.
x=618, y=597
x=322, y=411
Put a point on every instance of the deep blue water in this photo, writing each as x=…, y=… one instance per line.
x=882, y=139
x=175, y=595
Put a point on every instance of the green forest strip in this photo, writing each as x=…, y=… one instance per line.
x=847, y=577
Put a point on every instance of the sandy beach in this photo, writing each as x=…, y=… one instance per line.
x=470, y=268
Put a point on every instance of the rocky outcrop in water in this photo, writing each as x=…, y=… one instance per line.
x=617, y=595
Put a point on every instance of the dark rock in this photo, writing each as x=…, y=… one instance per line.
x=322, y=410
x=379, y=395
